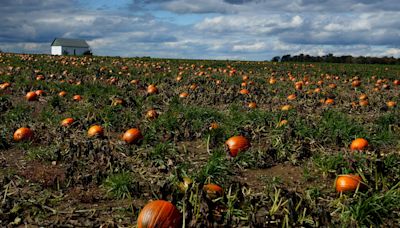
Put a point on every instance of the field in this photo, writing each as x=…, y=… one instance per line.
x=298, y=145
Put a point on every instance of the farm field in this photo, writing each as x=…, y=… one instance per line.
x=297, y=122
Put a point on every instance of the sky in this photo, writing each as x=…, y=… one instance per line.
x=205, y=29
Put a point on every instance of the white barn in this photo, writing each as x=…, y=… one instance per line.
x=63, y=46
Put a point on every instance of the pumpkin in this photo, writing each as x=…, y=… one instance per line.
x=183, y=95
x=332, y=86
x=67, y=122
x=358, y=144
x=132, y=135
x=95, y=130
x=151, y=114
x=391, y=104
x=363, y=103
x=159, y=213
x=356, y=83
x=5, y=85
x=31, y=96
x=348, y=183
x=236, y=144
x=282, y=123
x=134, y=81
x=40, y=92
x=152, y=89
x=286, y=107
x=329, y=101
x=273, y=81
x=213, y=191
x=252, y=105
x=118, y=101
x=363, y=97
x=62, y=94
x=291, y=97
x=77, y=98
x=214, y=125
x=244, y=91
x=22, y=133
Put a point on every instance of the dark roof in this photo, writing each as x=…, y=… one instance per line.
x=69, y=42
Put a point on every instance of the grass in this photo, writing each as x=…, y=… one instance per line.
x=121, y=185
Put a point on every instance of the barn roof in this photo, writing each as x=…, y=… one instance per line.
x=69, y=42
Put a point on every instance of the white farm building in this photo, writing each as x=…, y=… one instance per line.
x=63, y=46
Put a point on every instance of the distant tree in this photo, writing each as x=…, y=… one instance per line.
x=286, y=58
x=276, y=59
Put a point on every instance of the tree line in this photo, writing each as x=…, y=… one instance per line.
x=330, y=58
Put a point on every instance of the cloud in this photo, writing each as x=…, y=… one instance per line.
x=216, y=29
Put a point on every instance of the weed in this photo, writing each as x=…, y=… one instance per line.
x=121, y=185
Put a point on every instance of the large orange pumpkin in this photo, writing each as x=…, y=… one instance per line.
x=132, y=135
x=159, y=213
x=95, y=130
x=348, y=183
x=358, y=144
x=236, y=144
x=22, y=133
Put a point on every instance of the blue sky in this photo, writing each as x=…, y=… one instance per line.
x=205, y=29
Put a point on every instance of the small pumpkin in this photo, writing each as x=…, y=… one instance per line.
x=62, y=94
x=348, y=183
x=282, y=123
x=152, y=89
x=95, y=130
x=236, y=144
x=356, y=83
x=286, y=107
x=22, y=133
x=363, y=103
x=159, y=213
x=132, y=135
x=5, y=85
x=40, y=92
x=391, y=104
x=151, y=114
x=252, y=105
x=31, y=96
x=77, y=98
x=213, y=125
x=329, y=101
x=244, y=91
x=213, y=190
x=67, y=122
x=359, y=144
x=183, y=95
x=291, y=97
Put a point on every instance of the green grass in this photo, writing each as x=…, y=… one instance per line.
x=121, y=185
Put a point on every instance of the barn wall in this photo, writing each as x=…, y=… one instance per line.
x=70, y=50
x=56, y=50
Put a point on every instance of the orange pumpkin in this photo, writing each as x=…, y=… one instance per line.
x=214, y=125
x=358, y=144
x=151, y=114
x=183, y=95
x=348, y=183
x=329, y=101
x=152, y=89
x=356, y=83
x=77, y=98
x=40, y=92
x=363, y=103
x=159, y=213
x=391, y=104
x=62, y=94
x=291, y=97
x=236, y=144
x=244, y=91
x=286, y=107
x=132, y=135
x=5, y=85
x=22, y=133
x=363, y=96
x=213, y=191
x=95, y=130
x=67, y=122
x=31, y=96
x=282, y=123
x=252, y=105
